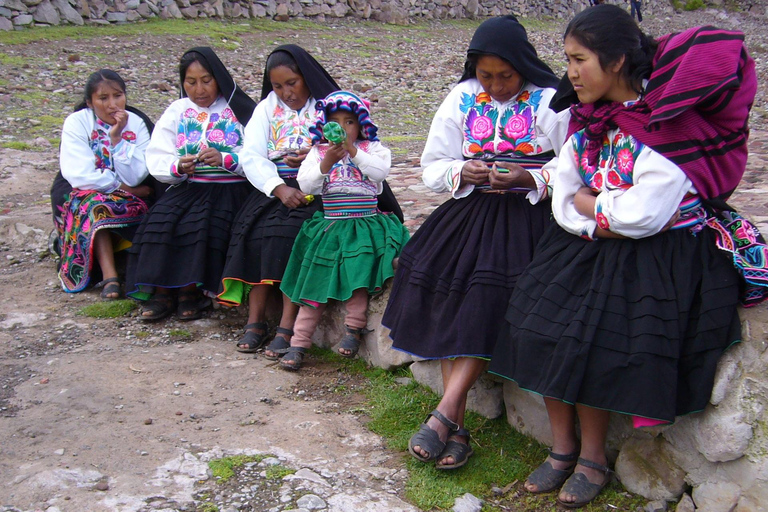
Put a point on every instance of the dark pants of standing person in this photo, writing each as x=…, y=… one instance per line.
x=635, y=7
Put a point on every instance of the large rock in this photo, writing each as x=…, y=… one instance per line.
x=716, y=497
x=339, y=10
x=485, y=397
x=116, y=17
x=6, y=24
x=722, y=437
x=23, y=19
x=526, y=412
x=14, y=5
x=646, y=467
x=171, y=11
x=68, y=12
x=376, y=347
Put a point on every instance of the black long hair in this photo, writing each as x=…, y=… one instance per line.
x=107, y=75
x=611, y=33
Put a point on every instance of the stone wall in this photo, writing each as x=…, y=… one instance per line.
x=17, y=14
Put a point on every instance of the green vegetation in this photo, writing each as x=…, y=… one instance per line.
x=180, y=333
x=502, y=455
x=278, y=472
x=11, y=60
x=207, y=507
x=22, y=146
x=108, y=309
x=693, y=5
x=223, y=469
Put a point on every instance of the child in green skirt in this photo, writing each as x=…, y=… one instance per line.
x=345, y=252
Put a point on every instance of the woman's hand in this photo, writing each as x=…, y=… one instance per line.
x=474, y=172
x=334, y=153
x=187, y=164
x=671, y=222
x=290, y=197
x=295, y=160
x=140, y=191
x=584, y=202
x=116, y=132
x=210, y=157
x=506, y=175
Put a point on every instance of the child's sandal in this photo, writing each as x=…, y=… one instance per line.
x=279, y=345
x=351, y=341
x=293, y=358
x=253, y=341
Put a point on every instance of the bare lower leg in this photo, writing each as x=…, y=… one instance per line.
x=594, y=429
x=561, y=420
x=105, y=255
x=462, y=374
x=257, y=306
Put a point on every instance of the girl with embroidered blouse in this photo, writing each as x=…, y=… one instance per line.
x=277, y=140
x=182, y=243
x=632, y=296
x=488, y=147
x=102, y=159
x=346, y=251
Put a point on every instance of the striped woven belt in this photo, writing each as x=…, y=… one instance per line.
x=526, y=162
x=284, y=171
x=338, y=206
x=692, y=213
x=215, y=175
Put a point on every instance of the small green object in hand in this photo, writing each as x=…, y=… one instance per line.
x=334, y=133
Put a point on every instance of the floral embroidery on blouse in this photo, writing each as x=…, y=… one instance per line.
x=345, y=177
x=289, y=131
x=100, y=145
x=487, y=131
x=615, y=165
x=222, y=132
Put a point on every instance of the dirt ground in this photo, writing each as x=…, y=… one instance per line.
x=106, y=415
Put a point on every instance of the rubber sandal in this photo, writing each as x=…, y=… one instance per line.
x=351, y=341
x=429, y=440
x=160, y=305
x=460, y=452
x=548, y=479
x=253, y=340
x=296, y=357
x=580, y=486
x=110, y=286
x=279, y=344
x=193, y=303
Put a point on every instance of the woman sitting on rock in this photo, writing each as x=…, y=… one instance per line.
x=97, y=198
x=182, y=243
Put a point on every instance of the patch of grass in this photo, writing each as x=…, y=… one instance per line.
x=179, y=333
x=225, y=31
x=108, y=309
x=142, y=334
x=278, y=472
x=693, y=5
x=223, y=469
x=207, y=507
x=502, y=454
x=21, y=146
x=11, y=60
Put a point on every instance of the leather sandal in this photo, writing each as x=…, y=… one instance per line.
x=293, y=359
x=191, y=305
x=253, y=341
x=429, y=440
x=351, y=341
x=579, y=485
x=461, y=452
x=159, y=306
x=548, y=479
x=279, y=344
x=109, y=286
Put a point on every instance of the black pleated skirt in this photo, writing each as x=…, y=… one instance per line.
x=261, y=243
x=184, y=237
x=456, y=274
x=633, y=326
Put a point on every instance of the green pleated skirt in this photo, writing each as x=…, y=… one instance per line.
x=333, y=257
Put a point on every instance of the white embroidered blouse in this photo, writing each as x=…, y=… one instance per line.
x=88, y=160
x=471, y=125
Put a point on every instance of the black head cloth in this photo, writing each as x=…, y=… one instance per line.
x=506, y=38
x=319, y=82
x=240, y=103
